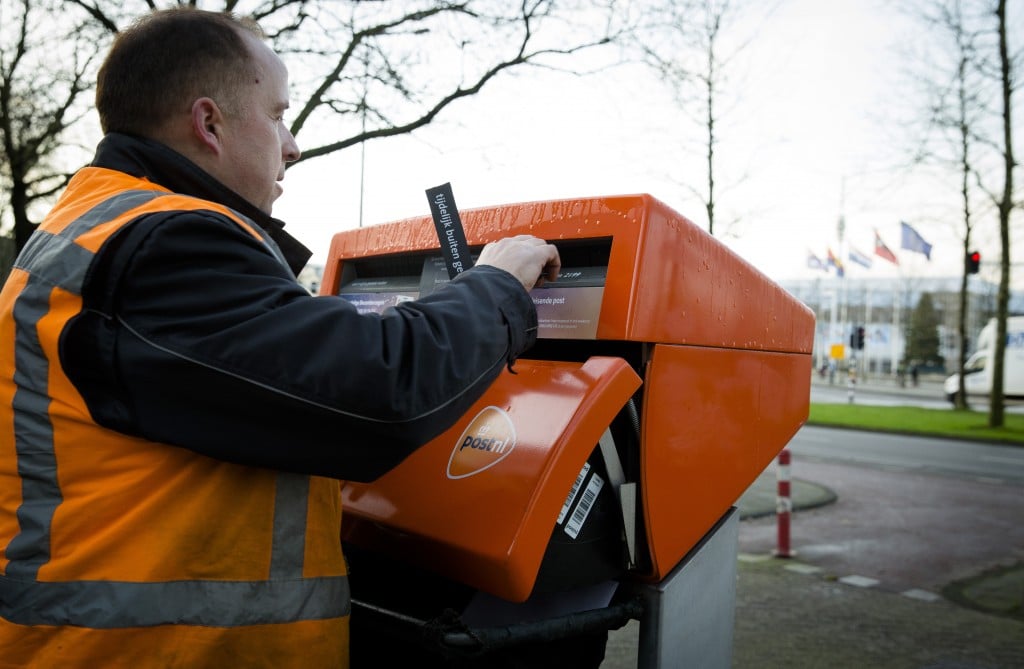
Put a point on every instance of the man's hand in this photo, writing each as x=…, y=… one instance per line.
x=528, y=258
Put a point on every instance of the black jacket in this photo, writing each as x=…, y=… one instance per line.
x=195, y=335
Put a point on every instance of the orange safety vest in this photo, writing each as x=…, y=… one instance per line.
x=116, y=551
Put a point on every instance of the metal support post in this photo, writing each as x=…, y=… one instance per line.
x=689, y=616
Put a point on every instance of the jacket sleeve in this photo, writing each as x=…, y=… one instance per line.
x=195, y=335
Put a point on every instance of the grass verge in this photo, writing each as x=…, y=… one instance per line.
x=970, y=425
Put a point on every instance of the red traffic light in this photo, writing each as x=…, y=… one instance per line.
x=973, y=262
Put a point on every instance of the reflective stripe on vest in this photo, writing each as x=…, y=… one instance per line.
x=54, y=260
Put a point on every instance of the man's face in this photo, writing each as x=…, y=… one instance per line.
x=257, y=144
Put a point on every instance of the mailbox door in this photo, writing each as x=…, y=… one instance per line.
x=713, y=419
x=478, y=503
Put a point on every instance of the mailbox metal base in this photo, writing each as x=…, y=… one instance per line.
x=689, y=616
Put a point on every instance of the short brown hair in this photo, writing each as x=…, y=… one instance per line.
x=166, y=60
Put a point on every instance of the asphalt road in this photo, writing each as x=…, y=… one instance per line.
x=969, y=460
x=907, y=529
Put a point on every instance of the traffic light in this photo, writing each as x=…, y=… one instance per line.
x=857, y=339
x=973, y=262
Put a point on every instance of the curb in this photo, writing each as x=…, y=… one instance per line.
x=999, y=591
x=760, y=499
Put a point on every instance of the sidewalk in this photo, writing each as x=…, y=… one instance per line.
x=928, y=385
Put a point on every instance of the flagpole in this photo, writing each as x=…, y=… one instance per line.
x=896, y=301
x=897, y=320
x=844, y=320
x=819, y=308
x=841, y=229
x=867, y=320
x=832, y=326
x=883, y=250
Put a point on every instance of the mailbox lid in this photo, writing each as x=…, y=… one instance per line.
x=478, y=503
x=665, y=279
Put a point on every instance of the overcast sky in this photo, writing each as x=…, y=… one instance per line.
x=811, y=134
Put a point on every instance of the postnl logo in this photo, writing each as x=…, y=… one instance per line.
x=486, y=441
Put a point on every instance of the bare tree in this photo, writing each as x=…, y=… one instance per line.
x=360, y=70
x=971, y=87
x=685, y=41
x=1007, y=67
x=392, y=80
x=956, y=110
x=44, y=69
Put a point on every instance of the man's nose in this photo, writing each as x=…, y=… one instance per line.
x=290, y=148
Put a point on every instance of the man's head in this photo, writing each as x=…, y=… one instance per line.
x=205, y=84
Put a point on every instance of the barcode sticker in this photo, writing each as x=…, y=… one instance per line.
x=579, y=516
x=572, y=493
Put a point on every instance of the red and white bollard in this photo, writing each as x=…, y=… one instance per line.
x=783, y=506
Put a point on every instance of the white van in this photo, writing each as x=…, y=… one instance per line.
x=978, y=368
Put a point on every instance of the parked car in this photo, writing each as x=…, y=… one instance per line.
x=978, y=368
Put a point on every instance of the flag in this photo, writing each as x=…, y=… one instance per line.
x=882, y=250
x=861, y=259
x=912, y=241
x=814, y=262
x=835, y=262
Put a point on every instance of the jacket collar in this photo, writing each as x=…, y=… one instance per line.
x=141, y=157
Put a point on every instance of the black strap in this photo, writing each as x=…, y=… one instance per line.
x=450, y=233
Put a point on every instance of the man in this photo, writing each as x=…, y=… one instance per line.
x=176, y=411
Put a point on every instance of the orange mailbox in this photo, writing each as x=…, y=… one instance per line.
x=668, y=374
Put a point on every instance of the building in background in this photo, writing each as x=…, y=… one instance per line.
x=883, y=307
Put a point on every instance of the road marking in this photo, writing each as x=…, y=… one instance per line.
x=1007, y=460
x=754, y=557
x=923, y=595
x=859, y=581
x=853, y=579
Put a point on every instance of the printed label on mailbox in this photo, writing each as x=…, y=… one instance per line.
x=572, y=493
x=579, y=516
x=376, y=303
x=568, y=313
x=570, y=307
x=488, y=439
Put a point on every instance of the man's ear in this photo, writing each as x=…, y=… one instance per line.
x=207, y=124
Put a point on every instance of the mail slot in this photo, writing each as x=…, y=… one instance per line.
x=667, y=375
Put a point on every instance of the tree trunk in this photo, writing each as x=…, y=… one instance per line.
x=996, y=416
